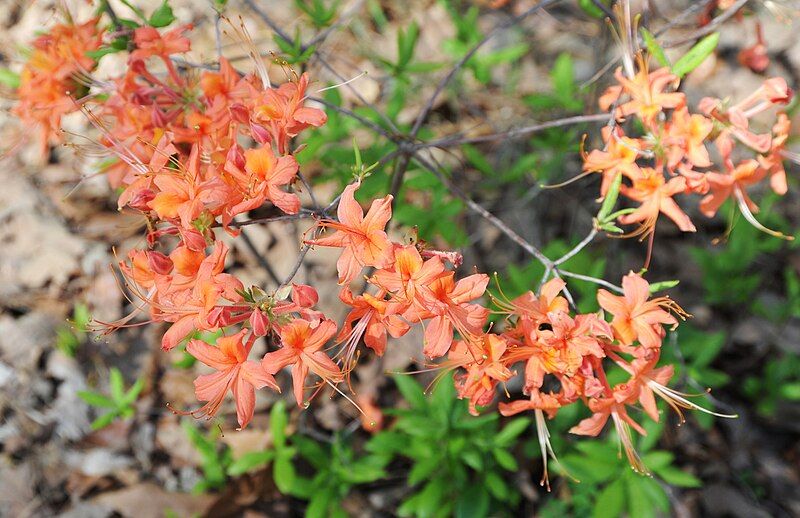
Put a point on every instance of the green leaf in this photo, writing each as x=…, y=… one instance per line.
x=473, y=502
x=663, y=285
x=278, y=419
x=510, y=431
x=639, y=504
x=790, y=391
x=250, y=461
x=610, y=200
x=284, y=474
x=162, y=16
x=506, y=55
x=696, y=55
x=133, y=392
x=591, y=9
x=411, y=390
x=611, y=501
x=95, y=399
x=497, y=486
x=103, y=421
x=505, y=459
x=117, y=385
x=656, y=460
x=654, y=48
x=677, y=477
x=9, y=78
x=472, y=459
x=423, y=469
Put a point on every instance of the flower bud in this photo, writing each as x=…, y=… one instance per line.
x=304, y=296
x=260, y=133
x=259, y=323
x=159, y=263
x=141, y=200
x=193, y=240
x=239, y=113
x=236, y=157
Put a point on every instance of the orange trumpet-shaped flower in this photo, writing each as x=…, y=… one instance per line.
x=371, y=317
x=635, y=316
x=731, y=183
x=618, y=157
x=655, y=195
x=647, y=93
x=362, y=237
x=687, y=132
x=263, y=178
x=300, y=348
x=484, y=369
x=446, y=304
x=235, y=373
x=408, y=274
x=48, y=82
x=282, y=110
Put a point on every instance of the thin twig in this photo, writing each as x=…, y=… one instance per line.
x=595, y=280
x=515, y=132
x=580, y=246
x=297, y=264
x=260, y=257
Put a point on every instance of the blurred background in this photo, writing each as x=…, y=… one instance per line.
x=118, y=451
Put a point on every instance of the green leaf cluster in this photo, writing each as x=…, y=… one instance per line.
x=120, y=402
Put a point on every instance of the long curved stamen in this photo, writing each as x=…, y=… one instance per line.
x=748, y=215
x=677, y=400
x=626, y=443
x=547, y=449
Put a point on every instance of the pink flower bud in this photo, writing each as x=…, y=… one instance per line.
x=235, y=156
x=193, y=240
x=259, y=323
x=157, y=117
x=304, y=296
x=259, y=133
x=239, y=113
x=159, y=263
x=141, y=200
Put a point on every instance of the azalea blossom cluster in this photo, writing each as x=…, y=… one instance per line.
x=51, y=78
x=671, y=158
x=195, y=150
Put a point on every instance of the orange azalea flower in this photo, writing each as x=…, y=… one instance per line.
x=263, y=178
x=655, y=195
x=570, y=340
x=48, y=83
x=602, y=409
x=151, y=43
x=281, y=110
x=732, y=183
x=618, y=157
x=235, y=373
x=636, y=317
x=537, y=308
x=408, y=273
x=772, y=162
x=686, y=134
x=375, y=317
x=445, y=303
x=362, y=237
x=484, y=369
x=197, y=307
x=539, y=403
x=646, y=91
x=300, y=348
